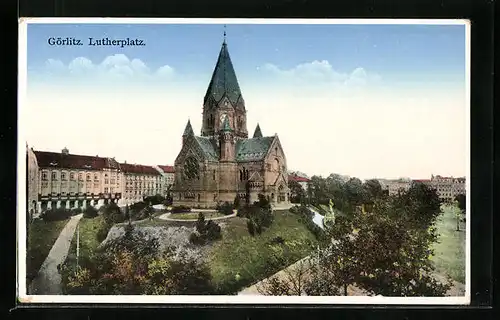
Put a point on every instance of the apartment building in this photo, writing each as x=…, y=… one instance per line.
x=140, y=181
x=75, y=181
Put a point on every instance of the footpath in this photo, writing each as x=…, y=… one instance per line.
x=48, y=280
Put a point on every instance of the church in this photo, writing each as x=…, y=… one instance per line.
x=223, y=162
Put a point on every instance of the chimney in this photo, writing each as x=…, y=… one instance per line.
x=65, y=151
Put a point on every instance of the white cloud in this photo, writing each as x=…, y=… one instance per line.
x=113, y=67
x=322, y=72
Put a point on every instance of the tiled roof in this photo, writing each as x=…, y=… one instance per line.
x=73, y=161
x=253, y=149
x=138, y=168
x=208, y=147
x=223, y=82
x=167, y=169
x=298, y=178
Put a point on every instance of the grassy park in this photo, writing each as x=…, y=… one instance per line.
x=239, y=260
x=42, y=236
x=449, y=257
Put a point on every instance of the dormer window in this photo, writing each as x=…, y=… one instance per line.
x=53, y=163
x=87, y=166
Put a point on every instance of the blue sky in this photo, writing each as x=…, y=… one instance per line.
x=363, y=100
x=398, y=53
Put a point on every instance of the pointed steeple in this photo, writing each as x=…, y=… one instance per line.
x=257, y=133
x=189, y=130
x=225, y=125
x=223, y=81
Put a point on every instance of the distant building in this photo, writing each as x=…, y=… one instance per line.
x=303, y=181
x=140, y=181
x=168, y=175
x=75, y=181
x=447, y=188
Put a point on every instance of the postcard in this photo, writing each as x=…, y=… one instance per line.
x=243, y=161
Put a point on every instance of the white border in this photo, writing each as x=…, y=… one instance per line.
x=267, y=300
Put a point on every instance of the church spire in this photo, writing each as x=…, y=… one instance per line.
x=224, y=34
x=189, y=130
x=257, y=133
x=224, y=81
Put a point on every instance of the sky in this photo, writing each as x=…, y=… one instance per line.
x=383, y=101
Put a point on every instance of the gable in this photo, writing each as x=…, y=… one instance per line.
x=275, y=149
x=190, y=148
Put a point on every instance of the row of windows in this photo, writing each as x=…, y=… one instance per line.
x=56, y=194
x=129, y=177
x=72, y=176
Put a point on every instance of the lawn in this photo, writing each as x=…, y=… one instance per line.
x=42, y=236
x=240, y=260
x=449, y=257
x=88, y=228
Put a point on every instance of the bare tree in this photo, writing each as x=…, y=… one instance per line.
x=289, y=282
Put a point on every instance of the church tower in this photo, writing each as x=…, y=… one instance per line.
x=224, y=99
x=227, y=147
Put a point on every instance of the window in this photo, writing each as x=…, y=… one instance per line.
x=106, y=181
x=96, y=177
x=88, y=177
x=54, y=175
x=214, y=174
x=72, y=176
x=80, y=176
x=44, y=175
x=63, y=175
x=106, y=190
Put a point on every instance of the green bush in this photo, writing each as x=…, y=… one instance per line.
x=56, y=214
x=205, y=231
x=154, y=200
x=90, y=212
x=226, y=208
x=181, y=209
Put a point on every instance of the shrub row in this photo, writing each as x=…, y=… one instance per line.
x=58, y=214
x=225, y=208
x=180, y=209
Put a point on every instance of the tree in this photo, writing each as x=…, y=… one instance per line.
x=236, y=202
x=292, y=282
x=461, y=199
x=296, y=191
x=373, y=189
x=247, y=193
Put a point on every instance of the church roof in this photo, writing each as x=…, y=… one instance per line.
x=258, y=132
x=253, y=149
x=208, y=148
x=188, y=131
x=223, y=82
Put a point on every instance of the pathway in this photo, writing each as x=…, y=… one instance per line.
x=48, y=280
x=166, y=216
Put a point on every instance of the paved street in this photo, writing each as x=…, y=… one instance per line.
x=48, y=280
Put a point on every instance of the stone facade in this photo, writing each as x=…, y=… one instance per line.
x=223, y=162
